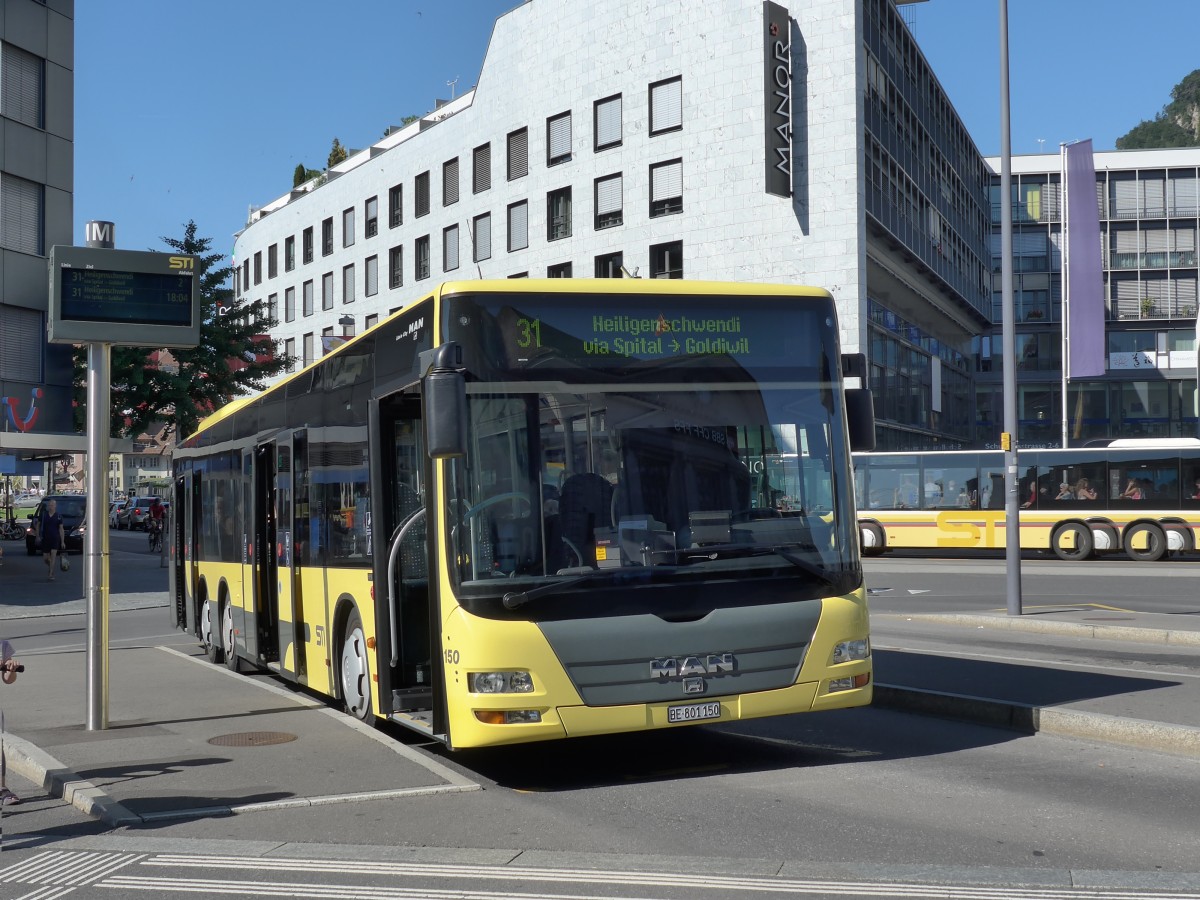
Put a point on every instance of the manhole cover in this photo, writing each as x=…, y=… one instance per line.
x=252, y=739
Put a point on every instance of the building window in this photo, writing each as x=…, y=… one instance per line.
x=482, y=238
x=348, y=284
x=609, y=265
x=450, y=248
x=23, y=214
x=421, y=199
x=518, y=153
x=245, y=262
x=308, y=349
x=562, y=270
x=372, y=276
x=327, y=237
x=450, y=182
x=396, y=206
x=519, y=275
x=608, y=201
x=421, y=257
x=289, y=305
x=289, y=253
x=348, y=227
x=307, y=297
x=22, y=86
x=666, y=260
x=372, y=217
x=289, y=350
x=273, y=261
x=606, y=118
x=666, y=188
x=327, y=341
x=666, y=105
x=558, y=139
x=396, y=267
x=558, y=214
x=308, y=245
x=370, y=321
x=258, y=267
x=481, y=168
x=327, y=291
x=273, y=308
x=518, y=226
x=22, y=343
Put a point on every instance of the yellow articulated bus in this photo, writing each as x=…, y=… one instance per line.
x=1140, y=496
x=523, y=510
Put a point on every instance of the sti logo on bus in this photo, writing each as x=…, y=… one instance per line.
x=691, y=666
x=181, y=262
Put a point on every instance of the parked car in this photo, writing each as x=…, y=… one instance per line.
x=73, y=509
x=135, y=513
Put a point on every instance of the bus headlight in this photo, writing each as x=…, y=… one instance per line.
x=501, y=683
x=848, y=651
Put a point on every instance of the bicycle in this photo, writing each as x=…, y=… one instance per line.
x=11, y=531
x=155, y=537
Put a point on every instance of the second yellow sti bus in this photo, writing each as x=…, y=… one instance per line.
x=524, y=510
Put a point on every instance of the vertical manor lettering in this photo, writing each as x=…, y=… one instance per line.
x=777, y=85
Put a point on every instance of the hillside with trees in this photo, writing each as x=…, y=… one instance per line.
x=1176, y=125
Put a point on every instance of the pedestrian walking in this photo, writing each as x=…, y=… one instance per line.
x=9, y=667
x=51, y=534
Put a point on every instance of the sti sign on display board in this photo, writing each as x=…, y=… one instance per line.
x=125, y=297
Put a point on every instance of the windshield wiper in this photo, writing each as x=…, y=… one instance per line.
x=514, y=599
x=715, y=551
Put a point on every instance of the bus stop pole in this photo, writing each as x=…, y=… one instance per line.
x=99, y=424
x=1012, y=500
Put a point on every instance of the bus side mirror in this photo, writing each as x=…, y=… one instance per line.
x=860, y=419
x=445, y=392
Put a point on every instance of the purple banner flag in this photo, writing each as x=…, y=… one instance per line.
x=1084, y=294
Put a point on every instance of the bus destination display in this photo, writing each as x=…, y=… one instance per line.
x=99, y=295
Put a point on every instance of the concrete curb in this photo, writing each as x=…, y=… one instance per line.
x=1043, y=626
x=41, y=768
x=1183, y=740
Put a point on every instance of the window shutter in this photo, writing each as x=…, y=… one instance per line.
x=518, y=226
x=372, y=275
x=560, y=136
x=450, y=182
x=482, y=174
x=608, y=195
x=421, y=200
x=450, y=249
x=20, y=214
x=483, y=237
x=22, y=338
x=666, y=106
x=1125, y=199
x=608, y=122
x=21, y=85
x=666, y=181
x=518, y=154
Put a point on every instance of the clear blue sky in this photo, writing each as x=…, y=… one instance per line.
x=200, y=110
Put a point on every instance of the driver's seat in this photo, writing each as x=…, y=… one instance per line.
x=584, y=505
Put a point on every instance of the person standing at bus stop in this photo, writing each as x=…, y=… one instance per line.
x=51, y=535
x=9, y=667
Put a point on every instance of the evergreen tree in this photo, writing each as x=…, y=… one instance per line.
x=337, y=153
x=150, y=392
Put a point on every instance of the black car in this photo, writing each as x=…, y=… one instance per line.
x=73, y=509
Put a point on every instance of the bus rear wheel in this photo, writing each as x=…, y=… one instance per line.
x=208, y=638
x=1145, y=542
x=871, y=539
x=229, y=638
x=356, y=670
x=1072, y=541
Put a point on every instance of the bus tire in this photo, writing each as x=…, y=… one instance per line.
x=355, y=670
x=871, y=539
x=229, y=638
x=1156, y=542
x=1072, y=541
x=212, y=647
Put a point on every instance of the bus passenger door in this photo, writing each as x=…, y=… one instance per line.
x=277, y=486
x=264, y=551
x=247, y=532
x=405, y=603
x=183, y=556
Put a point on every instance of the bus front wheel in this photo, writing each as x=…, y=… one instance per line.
x=1145, y=542
x=1072, y=541
x=356, y=670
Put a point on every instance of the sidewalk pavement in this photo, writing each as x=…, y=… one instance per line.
x=186, y=738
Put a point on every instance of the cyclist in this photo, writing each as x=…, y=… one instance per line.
x=157, y=510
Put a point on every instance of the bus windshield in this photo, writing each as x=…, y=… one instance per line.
x=650, y=465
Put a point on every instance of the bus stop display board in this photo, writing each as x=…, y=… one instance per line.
x=123, y=297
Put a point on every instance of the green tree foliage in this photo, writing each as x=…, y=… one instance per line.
x=149, y=393
x=337, y=153
x=303, y=174
x=1176, y=125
